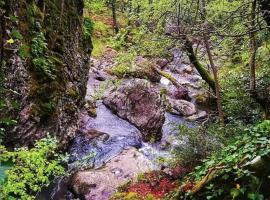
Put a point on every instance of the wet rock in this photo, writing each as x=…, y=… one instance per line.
x=106, y=121
x=90, y=107
x=101, y=184
x=100, y=76
x=178, y=93
x=139, y=102
x=91, y=134
x=183, y=107
x=201, y=115
x=95, y=148
x=188, y=69
x=161, y=62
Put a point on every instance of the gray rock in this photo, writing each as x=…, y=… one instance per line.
x=196, y=117
x=101, y=184
x=139, y=102
x=161, y=62
x=183, y=107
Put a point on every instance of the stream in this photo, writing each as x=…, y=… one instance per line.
x=113, y=135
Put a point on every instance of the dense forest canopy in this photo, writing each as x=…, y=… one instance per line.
x=134, y=99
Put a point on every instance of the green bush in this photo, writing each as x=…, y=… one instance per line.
x=241, y=170
x=237, y=103
x=119, y=42
x=31, y=170
x=201, y=142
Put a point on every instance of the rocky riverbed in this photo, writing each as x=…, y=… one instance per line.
x=129, y=125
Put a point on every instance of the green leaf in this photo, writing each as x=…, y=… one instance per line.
x=234, y=193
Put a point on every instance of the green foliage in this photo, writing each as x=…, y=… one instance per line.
x=40, y=58
x=24, y=51
x=237, y=176
x=3, y=170
x=16, y=34
x=119, y=41
x=6, y=122
x=88, y=27
x=200, y=144
x=100, y=35
x=125, y=62
x=96, y=6
x=237, y=103
x=86, y=162
x=202, y=141
x=122, y=70
x=32, y=169
x=2, y=3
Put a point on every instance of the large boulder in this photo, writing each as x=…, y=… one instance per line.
x=101, y=184
x=139, y=102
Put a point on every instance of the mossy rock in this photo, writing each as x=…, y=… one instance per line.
x=142, y=70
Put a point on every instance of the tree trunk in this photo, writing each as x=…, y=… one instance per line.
x=115, y=25
x=217, y=86
x=206, y=76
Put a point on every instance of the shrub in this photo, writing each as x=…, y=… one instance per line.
x=237, y=103
x=32, y=169
x=202, y=141
x=239, y=171
x=199, y=145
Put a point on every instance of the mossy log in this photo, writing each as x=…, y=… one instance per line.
x=169, y=77
x=206, y=179
x=259, y=167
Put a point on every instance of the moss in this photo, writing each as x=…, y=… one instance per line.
x=141, y=177
x=47, y=108
x=70, y=108
x=123, y=71
x=131, y=196
x=143, y=70
x=44, y=92
x=123, y=187
x=73, y=92
x=163, y=91
x=126, y=196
